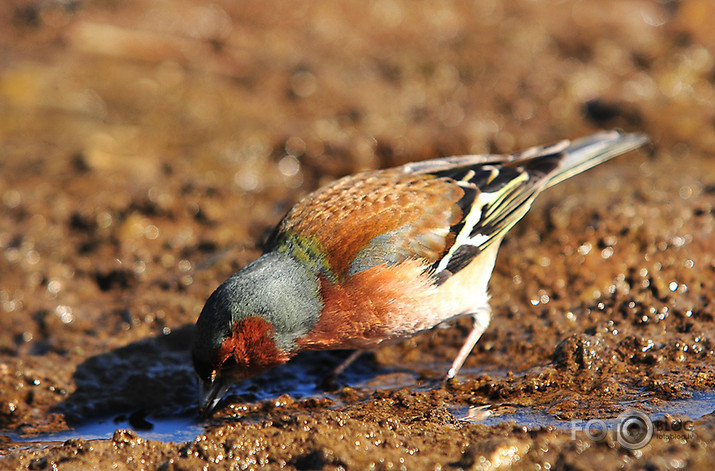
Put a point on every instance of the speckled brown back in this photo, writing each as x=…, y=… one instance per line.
x=345, y=216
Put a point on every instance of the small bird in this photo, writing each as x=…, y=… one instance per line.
x=379, y=257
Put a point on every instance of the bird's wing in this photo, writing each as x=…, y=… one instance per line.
x=364, y=220
x=443, y=211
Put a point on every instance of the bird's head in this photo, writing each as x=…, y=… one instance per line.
x=250, y=323
x=248, y=349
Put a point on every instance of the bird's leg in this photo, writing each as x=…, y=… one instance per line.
x=331, y=380
x=347, y=362
x=481, y=320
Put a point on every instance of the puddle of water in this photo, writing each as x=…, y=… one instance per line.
x=174, y=430
x=300, y=380
x=697, y=405
x=494, y=415
x=178, y=429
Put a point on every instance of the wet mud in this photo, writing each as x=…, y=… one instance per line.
x=147, y=149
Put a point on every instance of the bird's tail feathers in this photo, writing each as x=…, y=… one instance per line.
x=582, y=154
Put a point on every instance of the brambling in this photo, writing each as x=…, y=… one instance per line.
x=379, y=257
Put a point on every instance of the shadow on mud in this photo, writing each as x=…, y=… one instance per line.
x=153, y=376
x=154, y=379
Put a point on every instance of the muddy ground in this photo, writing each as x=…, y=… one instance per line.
x=147, y=147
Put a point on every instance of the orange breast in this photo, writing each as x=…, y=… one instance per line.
x=380, y=304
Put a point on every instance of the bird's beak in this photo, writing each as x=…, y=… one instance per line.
x=211, y=393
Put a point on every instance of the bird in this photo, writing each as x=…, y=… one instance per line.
x=379, y=257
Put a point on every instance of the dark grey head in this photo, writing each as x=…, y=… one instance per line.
x=250, y=323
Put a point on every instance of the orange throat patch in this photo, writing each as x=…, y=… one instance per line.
x=250, y=349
